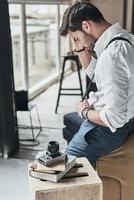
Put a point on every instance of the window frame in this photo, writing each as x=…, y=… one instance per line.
x=24, y=45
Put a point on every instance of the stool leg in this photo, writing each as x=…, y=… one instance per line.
x=61, y=80
x=78, y=70
x=31, y=123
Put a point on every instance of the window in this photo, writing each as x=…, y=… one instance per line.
x=42, y=41
x=41, y=55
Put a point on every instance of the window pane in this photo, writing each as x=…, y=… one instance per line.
x=65, y=41
x=42, y=41
x=15, y=34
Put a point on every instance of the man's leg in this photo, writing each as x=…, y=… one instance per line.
x=78, y=145
x=98, y=142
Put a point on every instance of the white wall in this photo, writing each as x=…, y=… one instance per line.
x=113, y=10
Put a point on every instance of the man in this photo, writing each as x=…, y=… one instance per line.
x=109, y=112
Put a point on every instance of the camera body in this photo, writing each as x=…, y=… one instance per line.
x=52, y=155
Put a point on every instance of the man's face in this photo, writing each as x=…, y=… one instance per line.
x=81, y=39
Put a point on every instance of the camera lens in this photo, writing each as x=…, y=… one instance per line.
x=53, y=147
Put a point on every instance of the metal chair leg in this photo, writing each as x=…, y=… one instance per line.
x=60, y=87
x=30, y=116
x=40, y=127
x=38, y=117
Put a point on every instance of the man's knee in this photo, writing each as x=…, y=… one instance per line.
x=70, y=149
x=75, y=150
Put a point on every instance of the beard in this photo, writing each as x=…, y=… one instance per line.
x=90, y=44
x=89, y=41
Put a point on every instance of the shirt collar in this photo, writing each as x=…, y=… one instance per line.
x=105, y=38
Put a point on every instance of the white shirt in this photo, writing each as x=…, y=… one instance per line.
x=114, y=77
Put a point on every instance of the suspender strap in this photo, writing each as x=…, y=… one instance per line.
x=118, y=38
x=114, y=39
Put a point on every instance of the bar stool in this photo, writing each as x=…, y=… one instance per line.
x=75, y=58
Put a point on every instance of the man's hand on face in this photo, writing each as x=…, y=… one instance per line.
x=81, y=40
x=81, y=105
x=78, y=46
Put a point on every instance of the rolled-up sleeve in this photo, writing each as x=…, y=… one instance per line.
x=115, y=75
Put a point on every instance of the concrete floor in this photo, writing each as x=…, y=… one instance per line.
x=13, y=172
x=13, y=179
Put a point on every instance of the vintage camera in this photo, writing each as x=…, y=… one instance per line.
x=52, y=155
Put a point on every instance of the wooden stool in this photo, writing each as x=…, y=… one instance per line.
x=81, y=183
x=76, y=59
x=116, y=172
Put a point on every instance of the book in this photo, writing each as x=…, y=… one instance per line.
x=52, y=175
x=60, y=166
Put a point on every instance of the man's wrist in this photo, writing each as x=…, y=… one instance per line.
x=84, y=113
x=85, y=58
x=80, y=50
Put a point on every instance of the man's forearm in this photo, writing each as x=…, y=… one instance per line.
x=85, y=58
x=94, y=116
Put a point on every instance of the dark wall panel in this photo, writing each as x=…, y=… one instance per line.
x=8, y=123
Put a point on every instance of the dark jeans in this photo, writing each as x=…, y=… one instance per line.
x=98, y=140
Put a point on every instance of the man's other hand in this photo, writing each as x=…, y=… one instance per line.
x=81, y=105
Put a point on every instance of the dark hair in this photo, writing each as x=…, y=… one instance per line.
x=76, y=14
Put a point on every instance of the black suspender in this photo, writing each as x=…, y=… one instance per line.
x=118, y=38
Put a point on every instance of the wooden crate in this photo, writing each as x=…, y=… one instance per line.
x=81, y=183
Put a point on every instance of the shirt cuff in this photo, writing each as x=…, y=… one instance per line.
x=104, y=118
x=91, y=67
